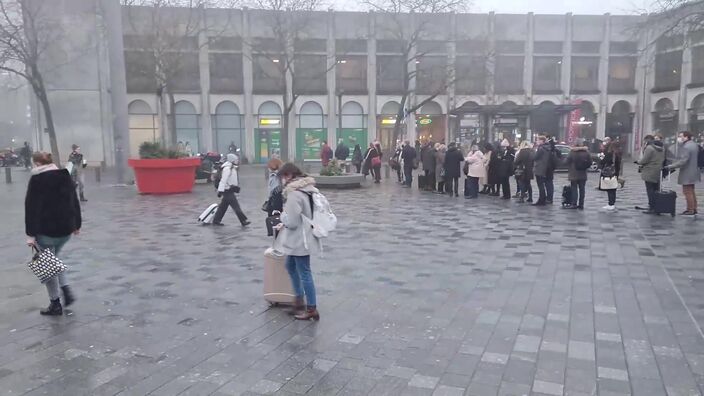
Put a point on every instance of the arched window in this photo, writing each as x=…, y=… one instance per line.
x=665, y=120
x=187, y=126
x=696, y=115
x=143, y=125
x=352, y=115
x=431, y=108
x=227, y=122
x=390, y=108
x=267, y=137
x=311, y=116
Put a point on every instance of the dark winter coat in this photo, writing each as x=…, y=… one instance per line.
x=51, y=207
x=612, y=157
x=573, y=174
x=494, y=171
x=524, y=159
x=453, y=162
x=409, y=156
x=357, y=156
x=367, y=165
x=652, y=161
x=342, y=152
x=428, y=159
x=506, y=156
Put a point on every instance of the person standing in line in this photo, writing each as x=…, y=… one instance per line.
x=494, y=173
x=650, y=166
x=440, y=153
x=409, y=156
x=506, y=157
x=428, y=155
x=357, y=158
x=578, y=161
x=26, y=155
x=292, y=241
x=523, y=169
x=376, y=162
x=325, y=154
x=275, y=201
x=79, y=164
x=475, y=171
x=687, y=163
x=342, y=151
x=453, y=166
x=52, y=215
x=488, y=152
x=553, y=158
x=608, y=169
x=541, y=164
x=228, y=187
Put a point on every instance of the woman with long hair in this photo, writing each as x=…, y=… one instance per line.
x=52, y=215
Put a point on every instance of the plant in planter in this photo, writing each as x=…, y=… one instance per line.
x=333, y=169
x=163, y=171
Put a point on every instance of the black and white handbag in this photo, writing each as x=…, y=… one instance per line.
x=45, y=265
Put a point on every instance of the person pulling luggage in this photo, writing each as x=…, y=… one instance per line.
x=227, y=188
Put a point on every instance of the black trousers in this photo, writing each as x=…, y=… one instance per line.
x=526, y=189
x=429, y=180
x=229, y=199
x=506, y=186
x=454, y=185
x=578, y=186
x=651, y=189
x=542, y=194
x=612, y=196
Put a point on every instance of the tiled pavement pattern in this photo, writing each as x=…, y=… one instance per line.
x=419, y=295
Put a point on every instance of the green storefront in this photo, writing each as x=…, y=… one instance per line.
x=308, y=143
x=267, y=143
x=352, y=137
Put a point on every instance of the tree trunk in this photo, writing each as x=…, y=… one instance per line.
x=40, y=92
x=284, y=129
x=172, y=119
x=163, y=122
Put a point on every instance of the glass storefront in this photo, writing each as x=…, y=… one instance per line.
x=267, y=144
x=309, y=142
x=352, y=137
x=430, y=128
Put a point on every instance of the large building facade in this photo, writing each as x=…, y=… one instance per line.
x=510, y=76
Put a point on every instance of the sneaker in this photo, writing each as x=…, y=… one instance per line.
x=609, y=207
x=246, y=223
x=218, y=224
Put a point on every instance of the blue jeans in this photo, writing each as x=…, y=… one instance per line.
x=549, y=188
x=578, y=189
x=55, y=245
x=408, y=171
x=298, y=268
x=542, y=195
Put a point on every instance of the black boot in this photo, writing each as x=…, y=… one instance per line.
x=54, y=309
x=69, y=298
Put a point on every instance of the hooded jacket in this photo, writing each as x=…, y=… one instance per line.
x=476, y=164
x=453, y=160
x=651, y=162
x=573, y=174
x=427, y=155
x=524, y=158
x=290, y=240
x=51, y=207
x=229, y=177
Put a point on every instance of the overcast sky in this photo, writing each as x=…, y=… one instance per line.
x=560, y=6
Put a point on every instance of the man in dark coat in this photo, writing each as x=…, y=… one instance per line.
x=427, y=156
x=506, y=156
x=408, y=154
x=342, y=151
x=453, y=161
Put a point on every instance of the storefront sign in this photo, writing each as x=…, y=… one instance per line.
x=425, y=121
x=573, y=128
x=269, y=121
x=388, y=121
x=309, y=142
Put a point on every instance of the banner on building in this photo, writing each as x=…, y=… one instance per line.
x=574, y=125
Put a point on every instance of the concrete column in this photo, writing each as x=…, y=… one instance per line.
x=686, y=78
x=603, y=78
x=491, y=59
x=333, y=111
x=528, y=60
x=118, y=87
x=371, y=78
x=411, y=133
x=567, y=59
x=451, y=48
x=206, y=130
x=642, y=122
x=291, y=131
x=250, y=122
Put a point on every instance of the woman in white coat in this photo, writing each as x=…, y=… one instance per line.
x=475, y=170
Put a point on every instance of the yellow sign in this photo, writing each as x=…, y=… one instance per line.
x=387, y=121
x=425, y=121
x=269, y=121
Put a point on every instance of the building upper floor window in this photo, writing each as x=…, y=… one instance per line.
x=432, y=75
x=140, y=68
x=622, y=74
x=350, y=46
x=186, y=72
x=471, y=47
x=391, y=47
x=623, y=47
x=698, y=65
x=668, y=70
x=547, y=47
x=510, y=47
x=310, y=74
x=310, y=46
x=669, y=42
x=224, y=43
x=585, y=74
x=390, y=74
x=351, y=74
x=226, y=73
x=508, y=78
x=547, y=72
x=267, y=73
x=470, y=75
x=586, y=47
x=432, y=47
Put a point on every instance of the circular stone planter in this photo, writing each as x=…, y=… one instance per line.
x=164, y=176
x=340, y=182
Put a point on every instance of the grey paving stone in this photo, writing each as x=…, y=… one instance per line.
x=266, y=387
x=524, y=343
x=423, y=381
x=498, y=358
x=548, y=388
x=612, y=373
x=581, y=350
x=444, y=390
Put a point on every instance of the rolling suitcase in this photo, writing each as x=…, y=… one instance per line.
x=422, y=182
x=277, y=283
x=567, y=195
x=207, y=216
x=665, y=201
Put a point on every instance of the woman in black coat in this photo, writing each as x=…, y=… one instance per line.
x=523, y=169
x=506, y=155
x=494, y=173
x=453, y=160
x=52, y=214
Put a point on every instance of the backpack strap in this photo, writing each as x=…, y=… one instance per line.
x=310, y=200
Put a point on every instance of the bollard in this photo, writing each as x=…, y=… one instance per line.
x=8, y=175
x=387, y=171
x=97, y=174
x=266, y=173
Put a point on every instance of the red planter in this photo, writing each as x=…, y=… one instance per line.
x=164, y=176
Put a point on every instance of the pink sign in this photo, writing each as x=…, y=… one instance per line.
x=574, y=127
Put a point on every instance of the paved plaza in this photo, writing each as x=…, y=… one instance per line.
x=419, y=295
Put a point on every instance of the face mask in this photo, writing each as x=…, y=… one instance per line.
x=680, y=140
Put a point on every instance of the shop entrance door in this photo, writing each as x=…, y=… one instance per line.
x=267, y=145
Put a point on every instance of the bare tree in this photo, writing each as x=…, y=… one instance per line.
x=671, y=17
x=167, y=32
x=289, y=21
x=409, y=36
x=27, y=33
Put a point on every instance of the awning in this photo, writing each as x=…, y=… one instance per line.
x=511, y=108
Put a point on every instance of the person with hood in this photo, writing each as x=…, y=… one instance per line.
x=293, y=243
x=325, y=154
x=428, y=160
x=440, y=152
x=342, y=151
x=52, y=214
x=686, y=162
x=77, y=171
x=523, y=170
x=650, y=167
x=453, y=168
x=475, y=171
x=578, y=161
x=506, y=157
x=227, y=188
x=494, y=173
x=607, y=164
x=408, y=155
x=541, y=169
x=488, y=152
x=357, y=158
